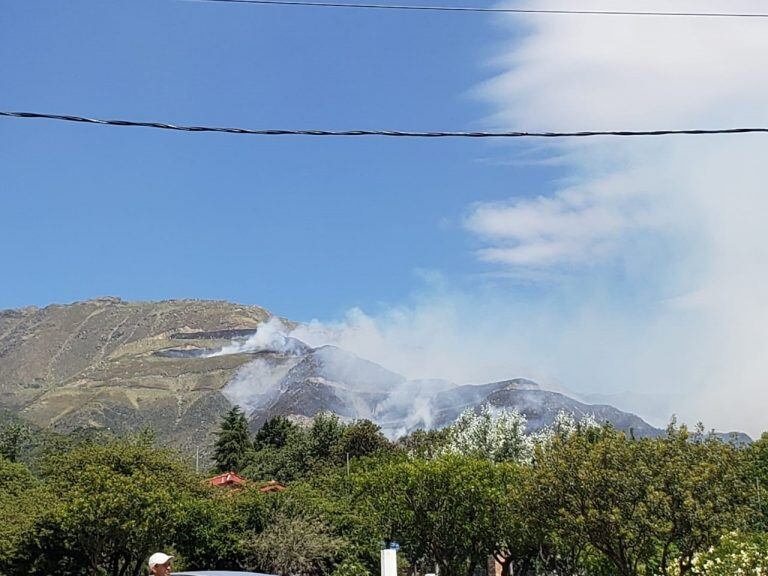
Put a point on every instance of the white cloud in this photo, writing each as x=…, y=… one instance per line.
x=576, y=225
x=683, y=216
x=647, y=268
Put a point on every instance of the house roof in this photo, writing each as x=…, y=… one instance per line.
x=232, y=480
x=226, y=479
x=272, y=486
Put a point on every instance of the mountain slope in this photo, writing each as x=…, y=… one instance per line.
x=101, y=363
x=332, y=380
x=180, y=365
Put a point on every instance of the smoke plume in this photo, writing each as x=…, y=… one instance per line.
x=646, y=269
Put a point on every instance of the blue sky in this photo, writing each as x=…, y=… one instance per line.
x=305, y=227
x=604, y=266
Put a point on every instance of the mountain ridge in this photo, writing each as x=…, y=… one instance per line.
x=179, y=365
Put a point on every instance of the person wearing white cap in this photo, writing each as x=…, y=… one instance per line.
x=160, y=564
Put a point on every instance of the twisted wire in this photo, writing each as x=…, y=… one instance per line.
x=388, y=133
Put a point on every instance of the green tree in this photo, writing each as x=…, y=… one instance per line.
x=599, y=491
x=22, y=500
x=757, y=466
x=233, y=442
x=287, y=452
x=325, y=436
x=517, y=536
x=295, y=546
x=213, y=531
x=285, y=464
x=426, y=444
x=329, y=495
x=362, y=438
x=13, y=436
x=701, y=490
x=441, y=511
x=275, y=432
x=639, y=503
x=115, y=505
x=351, y=568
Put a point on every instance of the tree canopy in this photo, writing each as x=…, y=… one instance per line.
x=233, y=441
x=576, y=499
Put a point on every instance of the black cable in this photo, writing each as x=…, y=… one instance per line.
x=489, y=10
x=395, y=133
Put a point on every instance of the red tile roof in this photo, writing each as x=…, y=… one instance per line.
x=227, y=480
x=272, y=486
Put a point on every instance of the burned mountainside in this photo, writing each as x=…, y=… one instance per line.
x=180, y=365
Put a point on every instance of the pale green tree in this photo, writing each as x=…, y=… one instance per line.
x=497, y=435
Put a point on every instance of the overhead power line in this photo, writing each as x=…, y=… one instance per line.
x=391, y=133
x=425, y=7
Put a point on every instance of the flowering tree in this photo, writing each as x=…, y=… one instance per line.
x=500, y=435
x=496, y=435
x=736, y=555
x=563, y=426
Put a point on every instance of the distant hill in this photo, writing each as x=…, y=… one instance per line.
x=179, y=365
x=330, y=379
x=99, y=364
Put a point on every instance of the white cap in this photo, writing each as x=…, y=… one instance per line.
x=158, y=558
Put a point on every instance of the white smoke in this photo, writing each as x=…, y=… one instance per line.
x=256, y=382
x=369, y=389
x=443, y=336
x=270, y=336
x=647, y=268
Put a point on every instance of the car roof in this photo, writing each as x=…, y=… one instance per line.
x=219, y=573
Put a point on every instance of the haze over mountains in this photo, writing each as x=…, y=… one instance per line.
x=180, y=365
x=287, y=377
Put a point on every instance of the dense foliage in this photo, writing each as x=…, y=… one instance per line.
x=735, y=555
x=575, y=499
x=233, y=441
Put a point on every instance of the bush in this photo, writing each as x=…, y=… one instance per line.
x=736, y=554
x=350, y=568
